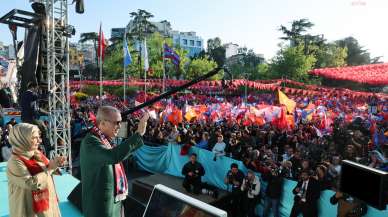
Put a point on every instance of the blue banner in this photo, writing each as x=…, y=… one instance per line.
x=167, y=160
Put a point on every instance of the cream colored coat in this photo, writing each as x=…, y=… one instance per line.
x=20, y=185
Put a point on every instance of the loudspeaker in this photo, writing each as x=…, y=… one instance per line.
x=133, y=207
x=75, y=197
x=374, y=184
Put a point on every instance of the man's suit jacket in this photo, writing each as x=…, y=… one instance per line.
x=97, y=174
x=313, y=191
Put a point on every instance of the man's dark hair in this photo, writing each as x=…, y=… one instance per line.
x=233, y=165
x=194, y=154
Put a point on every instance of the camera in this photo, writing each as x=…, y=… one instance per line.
x=276, y=171
x=249, y=186
x=230, y=177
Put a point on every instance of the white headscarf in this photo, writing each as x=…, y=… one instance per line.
x=20, y=138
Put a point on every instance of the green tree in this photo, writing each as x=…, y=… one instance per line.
x=294, y=35
x=216, y=51
x=213, y=43
x=142, y=28
x=198, y=67
x=114, y=63
x=91, y=90
x=179, y=72
x=155, y=51
x=237, y=69
x=90, y=72
x=292, y=63
x=356, y=54
x=251, y=59
x=331, y=55
x=326, y=54
x=90, y=36
x=262, y=72
x=246, y=62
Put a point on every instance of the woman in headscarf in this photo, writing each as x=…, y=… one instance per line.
x=30, y=184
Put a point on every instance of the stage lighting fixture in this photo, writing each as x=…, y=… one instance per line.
x=69, y=30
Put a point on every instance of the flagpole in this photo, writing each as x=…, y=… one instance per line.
x=125, y=84
x=164, y=69
x=145, y=71
x=125, y=79
x=100, y=76
x=100, y=62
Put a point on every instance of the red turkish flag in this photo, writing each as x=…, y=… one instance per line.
x=101, y=44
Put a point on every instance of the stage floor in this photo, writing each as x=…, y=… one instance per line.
x=64, y=185
x=176, y=184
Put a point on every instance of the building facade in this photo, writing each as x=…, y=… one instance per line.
x=189, y=41
x=186, y=40
x=7, y=51
x=76, y=58
x=3, y=51
x=117, y=32
x=88, y=52
x=231, y=49
x=163, y=27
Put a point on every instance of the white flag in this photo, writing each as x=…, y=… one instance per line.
x=153, y=114
x=146, y=65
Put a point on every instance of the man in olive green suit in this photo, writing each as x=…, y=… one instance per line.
x=104, y=184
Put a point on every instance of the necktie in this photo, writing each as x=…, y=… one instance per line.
x=304, y=190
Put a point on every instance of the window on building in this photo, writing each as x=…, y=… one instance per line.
x=191, y=42
x=185, y=41
x=198, y=43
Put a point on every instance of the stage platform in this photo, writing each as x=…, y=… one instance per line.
x=142, y=189
x=64, y=185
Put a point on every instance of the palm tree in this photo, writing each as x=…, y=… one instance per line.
x=90, y=36
x=295, y=33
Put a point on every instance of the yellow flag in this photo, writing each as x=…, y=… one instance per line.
x=289, y=103
x=190, y=114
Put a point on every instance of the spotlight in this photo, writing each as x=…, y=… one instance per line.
x=69, y=30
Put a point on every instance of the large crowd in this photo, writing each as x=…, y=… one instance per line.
x=349, y=136
x=354, y=132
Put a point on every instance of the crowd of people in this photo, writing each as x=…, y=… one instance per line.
x=302, y=153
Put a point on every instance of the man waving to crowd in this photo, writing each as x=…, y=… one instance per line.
x=104, y=184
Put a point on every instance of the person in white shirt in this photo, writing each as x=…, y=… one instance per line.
x=173, y=137
x=219, y=147
x=251, y=190
x=335, y=167
x=288, y=155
